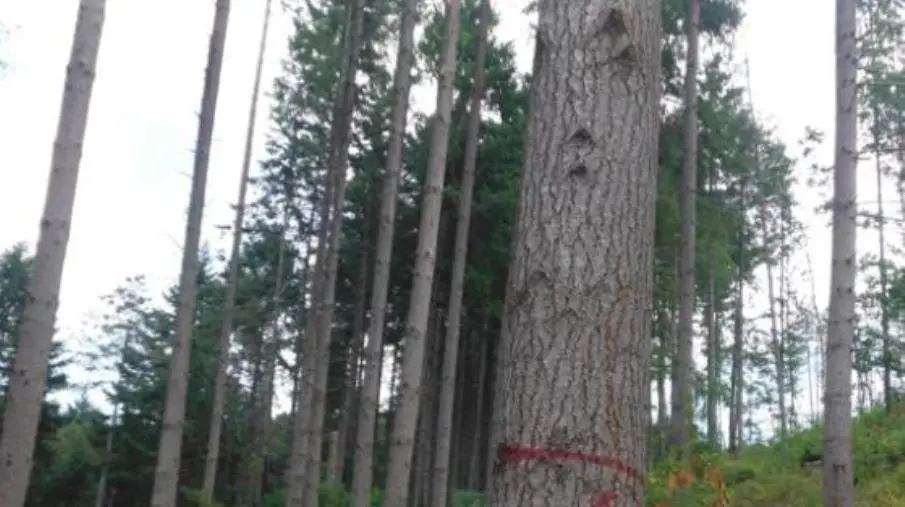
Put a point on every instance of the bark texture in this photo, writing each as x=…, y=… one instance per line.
x=838, y=480
x=570, y=422
x=27, y=378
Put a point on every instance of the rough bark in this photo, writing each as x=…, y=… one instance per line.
x=402, y=441
x=454, y=321
x=27, y=378
x=683, y=365
x=837, y=457
x=338, y=163
x=166, y=473
x=229, y=302
x=572, y=394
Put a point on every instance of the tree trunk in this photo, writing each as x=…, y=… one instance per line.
x=474, y=467
x=454, y=322
x=572, y=391
x=263, y=403
x=713, y=344
x=336, y=471
x=229, y=301
x=683, y=364
x=774, y=328
x=301, y=420
x=339, y=160
x=362, y=476
x=166, y=474
x=837, y=457
x=884, y=300
x=405, y=423
x=22, y=412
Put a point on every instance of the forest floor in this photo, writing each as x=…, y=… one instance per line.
x=789, y=474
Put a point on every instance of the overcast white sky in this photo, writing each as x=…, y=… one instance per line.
x=134, y=182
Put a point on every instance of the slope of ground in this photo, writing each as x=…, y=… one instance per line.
x=789, y=474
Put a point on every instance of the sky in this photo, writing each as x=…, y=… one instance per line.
x=130, y=210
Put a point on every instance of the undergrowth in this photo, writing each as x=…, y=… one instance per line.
x=785, y=474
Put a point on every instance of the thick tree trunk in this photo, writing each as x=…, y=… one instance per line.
x=572, y=391
x=229, y=301
x=454, y=322
x=683, y=364
x=166, y=474
x=405, y=423
x=26, y=383
x=362, y=476
x=837, y=457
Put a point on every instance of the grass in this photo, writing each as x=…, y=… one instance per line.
x=786, y=474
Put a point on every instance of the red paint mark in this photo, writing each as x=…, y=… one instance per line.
x=507, y=453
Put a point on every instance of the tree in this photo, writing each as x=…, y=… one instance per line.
x=362, y=477
x=683, y=367
x=402, y=441
x=571, y=387
x=216, y=423
x=26, y=384
x=454, y=320
x=166, y=474
x=837, y=460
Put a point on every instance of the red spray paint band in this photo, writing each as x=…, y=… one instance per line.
x=507, y=453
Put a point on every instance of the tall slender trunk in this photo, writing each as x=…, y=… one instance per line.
x=108, y=446
x=405, y=422
x=474, y=467
x=454, y=322
x=774, y=328
x=105, y=470
x=338, y=163
x=713, y=435
x=166, y=474
x=229, y=301
x=263, y=403
x=353, y=373
x=736, y=405
x=838, y=481
x=884, y=301
x=683, y=365
x=362, y=475
x=22, y=412
x=582, y=403
x=306, y=362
